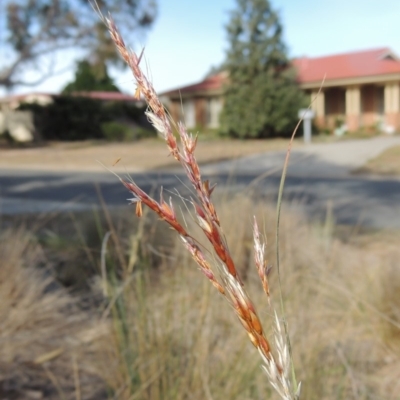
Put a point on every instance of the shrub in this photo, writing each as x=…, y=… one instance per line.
x=115, y=131
x=68, y=118
x=72, y=118
x=123, y=132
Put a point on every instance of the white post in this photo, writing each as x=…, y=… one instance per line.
x=307, y=116
x=307, y=130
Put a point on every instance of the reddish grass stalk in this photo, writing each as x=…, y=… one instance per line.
x=224, y=275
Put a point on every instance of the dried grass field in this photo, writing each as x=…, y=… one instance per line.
x=133, y=156
x=139, y=321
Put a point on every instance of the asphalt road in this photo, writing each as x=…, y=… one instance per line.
x=312, y=184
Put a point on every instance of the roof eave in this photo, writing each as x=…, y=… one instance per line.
x=379, y=79
x=198, y=93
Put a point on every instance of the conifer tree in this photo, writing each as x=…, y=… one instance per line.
x=91, y=77
x=262, y=98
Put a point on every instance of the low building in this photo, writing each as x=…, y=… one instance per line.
x=357, y=90
x=20, y=124
x=110, y=97
x=198, y=105
x=12, y=102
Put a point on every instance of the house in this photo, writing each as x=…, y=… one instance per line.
x=20, y=124
x=110, y=97
x=200, y=104
x=13, y=101
x=356, y=90
x=360, y=89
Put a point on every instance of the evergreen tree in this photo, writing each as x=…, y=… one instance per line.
x=262, y=98
x=89, y=77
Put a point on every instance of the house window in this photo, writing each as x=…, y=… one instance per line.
x=214, y=107
x=335, y=101
x=189, y=113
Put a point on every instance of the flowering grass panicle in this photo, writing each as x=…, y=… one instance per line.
x=221, y=271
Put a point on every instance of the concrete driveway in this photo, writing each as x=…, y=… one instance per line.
x=351, y=154
x=337, y=159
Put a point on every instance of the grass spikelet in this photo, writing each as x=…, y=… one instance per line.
x=221, y=269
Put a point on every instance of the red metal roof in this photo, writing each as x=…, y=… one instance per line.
x=348, y=65
x=112, y=96
x=356, y=64
x=24, y=95
x=213, y=82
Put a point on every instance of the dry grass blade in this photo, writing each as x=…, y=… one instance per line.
x=277, y=231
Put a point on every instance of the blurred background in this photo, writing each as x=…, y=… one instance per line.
x=99, y=304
